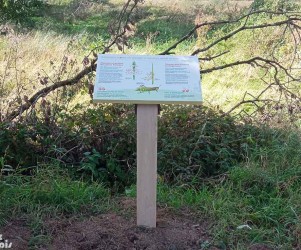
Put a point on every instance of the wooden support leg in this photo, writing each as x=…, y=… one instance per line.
x=146, y=164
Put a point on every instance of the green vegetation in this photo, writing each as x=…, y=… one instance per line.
x=48, y=193
x=19, y=10
x=68, y=157
x=263, y=193
x=51, y=190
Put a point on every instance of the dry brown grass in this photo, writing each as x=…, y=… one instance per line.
x=27, y=58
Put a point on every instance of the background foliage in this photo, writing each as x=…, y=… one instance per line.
x=19, y=10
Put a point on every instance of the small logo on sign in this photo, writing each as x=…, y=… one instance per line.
x=4, y=244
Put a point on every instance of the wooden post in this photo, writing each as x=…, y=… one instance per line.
x=146, y=164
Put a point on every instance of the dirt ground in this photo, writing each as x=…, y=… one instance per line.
x=174, y=231
x=115, y=231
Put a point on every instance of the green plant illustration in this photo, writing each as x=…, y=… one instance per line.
x=134, y=69
x=153, y=74
x=150, y=76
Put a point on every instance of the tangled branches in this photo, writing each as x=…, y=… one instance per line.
x=279, y=74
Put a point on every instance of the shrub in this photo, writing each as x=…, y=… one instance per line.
x=18, y=10
x=100, y=143
x=274, y=5
x=198, y=142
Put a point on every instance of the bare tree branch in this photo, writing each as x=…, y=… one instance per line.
x=45, y=91
x=251, y=61
x=291, y=21
x=210, y=58
x=68, y=82
x=244, y=27
x=216, y=23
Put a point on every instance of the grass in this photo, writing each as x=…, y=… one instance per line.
x=62, y=30
x=263, y=193
x=257, y=202
x=50, y=191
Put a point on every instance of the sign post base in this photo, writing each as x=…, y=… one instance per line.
x=147, y=164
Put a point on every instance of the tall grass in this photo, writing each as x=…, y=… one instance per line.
x=263, y=193
x=159, y=24
x=49, y=191
x=255, y=202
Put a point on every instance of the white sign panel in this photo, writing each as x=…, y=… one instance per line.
x=147, y=79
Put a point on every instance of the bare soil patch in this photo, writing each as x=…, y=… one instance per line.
x=18, y=233
x=116, y=231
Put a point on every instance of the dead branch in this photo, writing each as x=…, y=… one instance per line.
x=223, y=22
x=92, y=67
x=291, y=21
x=251, y=61
x=210, y=58
x=45, y=91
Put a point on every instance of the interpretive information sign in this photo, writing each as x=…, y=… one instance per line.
x=147, y=79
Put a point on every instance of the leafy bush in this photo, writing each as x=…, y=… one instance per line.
x=197, y=142
x=274, y=5
x=100, y=143
x=18, y=145
x=18, y=10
